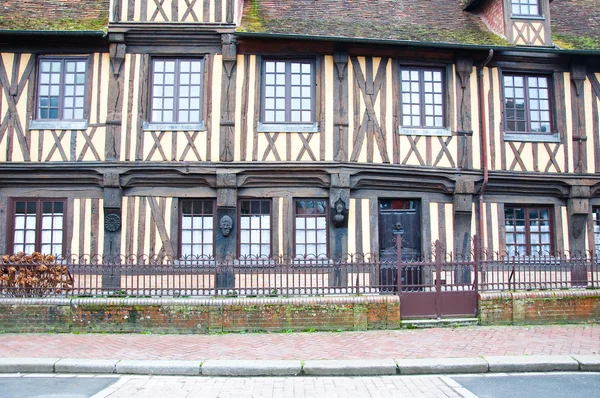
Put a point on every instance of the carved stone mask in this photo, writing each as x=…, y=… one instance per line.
x=226, y=224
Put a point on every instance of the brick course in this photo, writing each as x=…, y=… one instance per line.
x=199, y=316
x=517, y=308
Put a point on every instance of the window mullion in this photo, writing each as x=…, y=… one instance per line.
x=288, y=91
x=176, y=92
x=422, y=96
x=527, y=107
x=38, y=226
x=527, y=232
x=62, y=88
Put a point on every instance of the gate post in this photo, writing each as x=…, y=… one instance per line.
x=438, y=279
x=399, y=262
x=477, y=258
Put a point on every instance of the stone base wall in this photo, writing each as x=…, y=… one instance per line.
x=199, y=315
x=519, y=308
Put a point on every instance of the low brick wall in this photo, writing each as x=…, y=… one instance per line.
x=539, y=307
x=173, y=315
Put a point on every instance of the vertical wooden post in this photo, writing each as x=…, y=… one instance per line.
x=227, y=136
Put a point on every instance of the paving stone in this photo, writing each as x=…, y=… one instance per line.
x=441, y=365
x=86, y=366
x=532, y=363
x=27, y=365
x=588, y=362
x=251, y=368
x=350, y=367
x=157, y=367
x=466, y=342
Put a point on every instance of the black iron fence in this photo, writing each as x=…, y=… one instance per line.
x=140, y=276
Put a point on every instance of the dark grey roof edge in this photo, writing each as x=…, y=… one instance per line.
x=410, y=43
x=92, y=33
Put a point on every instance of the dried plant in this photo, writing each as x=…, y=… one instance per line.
x=33, y=275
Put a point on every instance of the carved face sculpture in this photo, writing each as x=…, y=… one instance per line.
x=226, y=224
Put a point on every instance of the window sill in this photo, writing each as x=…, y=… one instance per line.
x=173, y=126
x=443, y=132
x=287, y=128
x=531, y=137
x=530, y=17
x=58, y=125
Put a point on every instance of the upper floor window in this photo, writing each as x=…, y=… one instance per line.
x=422, y=98
x=61, y=89
x=311, y=228
x=528, y=230
x=255, y=227
x=197, y=228
x=288, y=92
x=527, y=104
x=525, y=7
x=37, y=225
x=177, y=86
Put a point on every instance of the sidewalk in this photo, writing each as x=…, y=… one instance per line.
x=530, y=345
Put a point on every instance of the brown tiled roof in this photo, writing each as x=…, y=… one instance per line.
x=576, y=24
x=415, y=20
x=54, y=14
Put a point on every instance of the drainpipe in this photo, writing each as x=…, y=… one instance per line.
x=484, y=143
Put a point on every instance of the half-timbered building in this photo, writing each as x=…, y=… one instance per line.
x=299, y=128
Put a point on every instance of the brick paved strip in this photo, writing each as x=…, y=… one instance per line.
x=402, y=344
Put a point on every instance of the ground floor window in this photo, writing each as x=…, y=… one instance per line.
x=528, y=230
x=37, y=225
x=596, y=218
x=197, y=227
x=255, y=227
x=310, y=228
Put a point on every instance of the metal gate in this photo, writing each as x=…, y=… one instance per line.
x=441, y=286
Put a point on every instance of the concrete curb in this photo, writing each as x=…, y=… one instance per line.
x=533, y=363
x=157, y=367
x=367, y=367
x=442, y=366
x=246, y=368
x=67, y=365
x=27, y=365
x=251, y=368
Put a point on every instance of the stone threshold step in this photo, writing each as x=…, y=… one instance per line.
x=438, y=323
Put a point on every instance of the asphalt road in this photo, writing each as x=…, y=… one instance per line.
x=535, y=385
x=547, y=385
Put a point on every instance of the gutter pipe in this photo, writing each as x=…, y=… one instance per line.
x=484, y=141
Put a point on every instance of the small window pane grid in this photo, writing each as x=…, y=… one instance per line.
x=197, y=229
x=596, y=218
x=528, y=231
x=422, y=98
x=311, y=228
x=177, y=90
x=61, y=89
x=38, y=226
x=525, y=7
x=527, y=104
x=255, y=228
x=288, y=92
